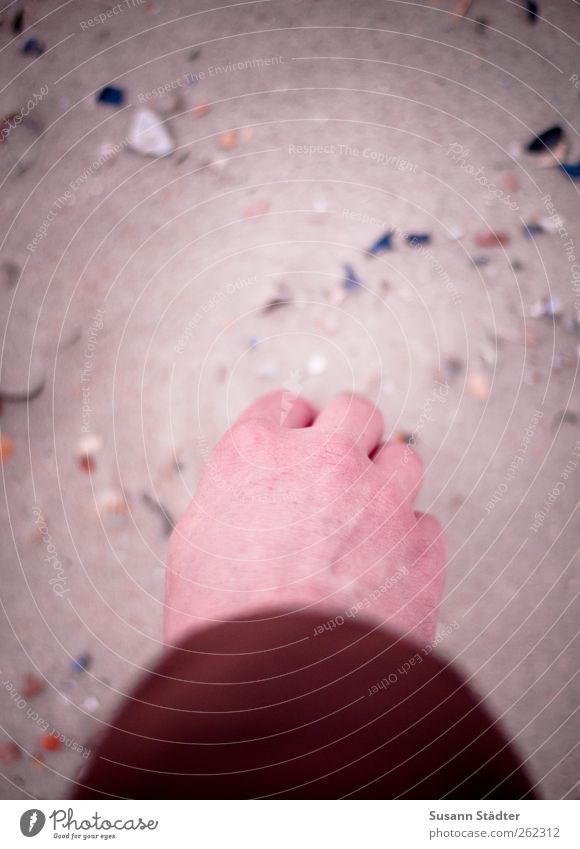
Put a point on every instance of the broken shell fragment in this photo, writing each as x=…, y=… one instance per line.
x=149, y=136
x=549, y=147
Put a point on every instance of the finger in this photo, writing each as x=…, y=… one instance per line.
x=283, y=408
x=354, y=416
x=402, y=467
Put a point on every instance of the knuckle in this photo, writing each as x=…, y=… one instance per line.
x=338, y=448
x=251, y=435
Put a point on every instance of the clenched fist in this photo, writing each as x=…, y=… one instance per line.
x=307, y=510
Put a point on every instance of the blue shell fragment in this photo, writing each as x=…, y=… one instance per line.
x=571, y=170
x=383, y=243
x=351, y=279
x=533, y=11
x=532, y=230
x=416, y=239
x=81, y=663
x=111, y=95
x=32, y=46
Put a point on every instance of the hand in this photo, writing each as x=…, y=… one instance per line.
x=302, y=510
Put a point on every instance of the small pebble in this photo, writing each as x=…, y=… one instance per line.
x=9, y=753
x=454, y=233
x=281, y=300
x=200, y=109
x=111, y=502
x=91, y=703
x=31, y=686
x=351, y=280
x=50, y=742
x=533, y=11
x=451, y=367
x=383, y=243
x=533, y=229
x=9, y=274
x=111, y=96
x=478, y=386
x=87, y=465
x=405, y=437
x=547, y=307
x=148, y=136
x=546, y=140
x=567, y=417
x=511, y=182
x=417, y=239
x=81, y=663
x=6, y=447
x=254, y=210
x=549, y=148
x=316, y=364
x=551, y=224
x=490, y=239
x=571, y=323
x=33, y=47
x=229, y=140
x=18, y=22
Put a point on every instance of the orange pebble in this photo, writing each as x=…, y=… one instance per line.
x=6, y=447
x=478, y=386
x=31, y=686
x=228, y=140
x=404, y=437
x=9, y=753
x=511, y=182
x=200, y=109
x=490, y=239
x=255, y=209
x=87, y=464
x=50, y=742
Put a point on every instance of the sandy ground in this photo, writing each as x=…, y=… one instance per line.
x=134, y=289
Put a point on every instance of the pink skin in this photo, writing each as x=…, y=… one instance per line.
x=306, y=511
